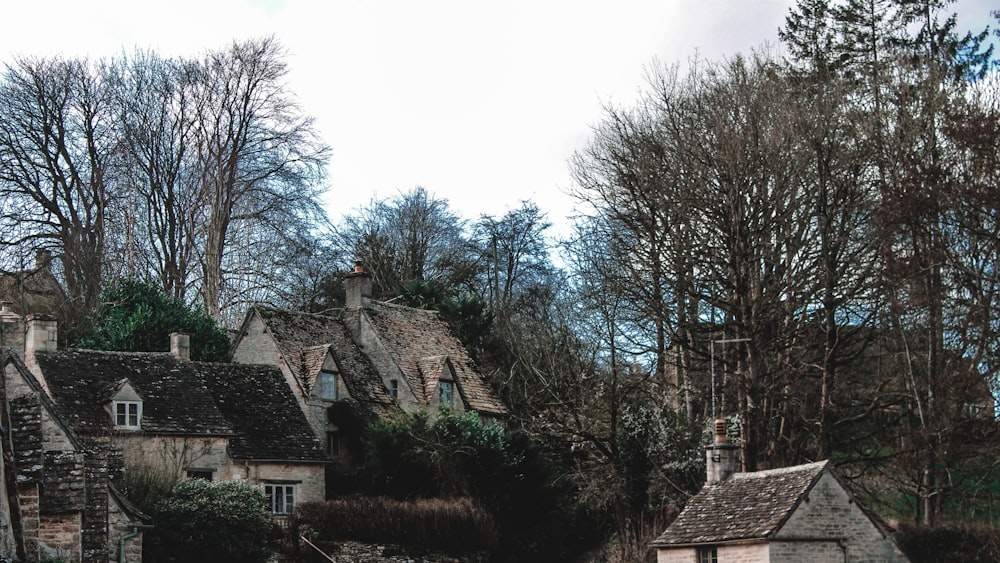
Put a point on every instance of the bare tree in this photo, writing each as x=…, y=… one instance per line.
x=258, y=163
x=412, y=237
x=512, y=254
x=56, y=145
x=155, y=98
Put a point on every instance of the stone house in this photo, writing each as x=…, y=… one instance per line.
x=67, y=502
x=365, y=362
x=34, y=289
x=792, y=514
x=165, y=417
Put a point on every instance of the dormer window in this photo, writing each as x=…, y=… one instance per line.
x=128, y=415
x=126, y=408
x=394, y=388
x=446, y=391
x=328, y=385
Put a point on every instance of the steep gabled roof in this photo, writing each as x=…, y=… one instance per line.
x=262, y=411
x=413, y=337
x=33, y=290
x=174, y=398
x=431, y=369
x=745, y=506
x=293, y=332
x=305, y=340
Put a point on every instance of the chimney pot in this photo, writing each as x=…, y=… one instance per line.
x=358, y=288
x=720, y=431
x=180, y=345
x=722, y=458
x=43, y=333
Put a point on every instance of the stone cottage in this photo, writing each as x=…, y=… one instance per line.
x=793, y=514
x=33, y=289
x=364, y=362
x=67, y=502
x=166, y=417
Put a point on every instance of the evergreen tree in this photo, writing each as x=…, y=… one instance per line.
x=137, y=316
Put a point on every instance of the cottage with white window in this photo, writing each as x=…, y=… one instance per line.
x=200, y=419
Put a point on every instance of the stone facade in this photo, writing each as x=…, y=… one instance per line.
x=383, y=359
x=174, y=455
x=63, y=487
x=819, y=522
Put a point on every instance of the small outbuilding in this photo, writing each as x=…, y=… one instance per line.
x=792, y=514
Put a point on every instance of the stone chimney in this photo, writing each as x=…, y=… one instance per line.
x=358, y=287
x=180, y=345
x=722, y=459
x=11, y=328
x=43, y=333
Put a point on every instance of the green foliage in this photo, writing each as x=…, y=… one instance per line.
x=962, y=544
x=457, y=455
x=504, y=472
x=136, y=316
x=209, y=521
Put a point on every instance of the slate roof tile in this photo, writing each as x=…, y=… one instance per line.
x=744, y=506
x=174, y=399
x=263, y=412
x=251, y=404
x=412, y=335
x=309, y=337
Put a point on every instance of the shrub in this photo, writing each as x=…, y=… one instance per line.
x=957, y=544
x=209, y=521
x=455, y=456
x=456, y=526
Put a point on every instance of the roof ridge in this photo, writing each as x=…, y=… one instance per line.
x=326, y=313
x=127, y=353
x=782, y=470
x=429, y=312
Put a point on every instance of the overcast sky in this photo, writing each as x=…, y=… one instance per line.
x=482, y=103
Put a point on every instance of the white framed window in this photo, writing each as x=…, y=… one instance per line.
x=446, y=391
x=708, y=555
x=280, y=498
x=328, y=385
x=128, y=414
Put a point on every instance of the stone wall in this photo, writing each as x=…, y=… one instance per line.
x=174, y=454
x=118, y=527
x=309, y=479
x=27, y=498
x=736, y=553
x=59, y=537
x=828, y=511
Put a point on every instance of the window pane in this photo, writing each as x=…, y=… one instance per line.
x=446, y=392
x=281, y=498
x=328, y=386
x=127, y=414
